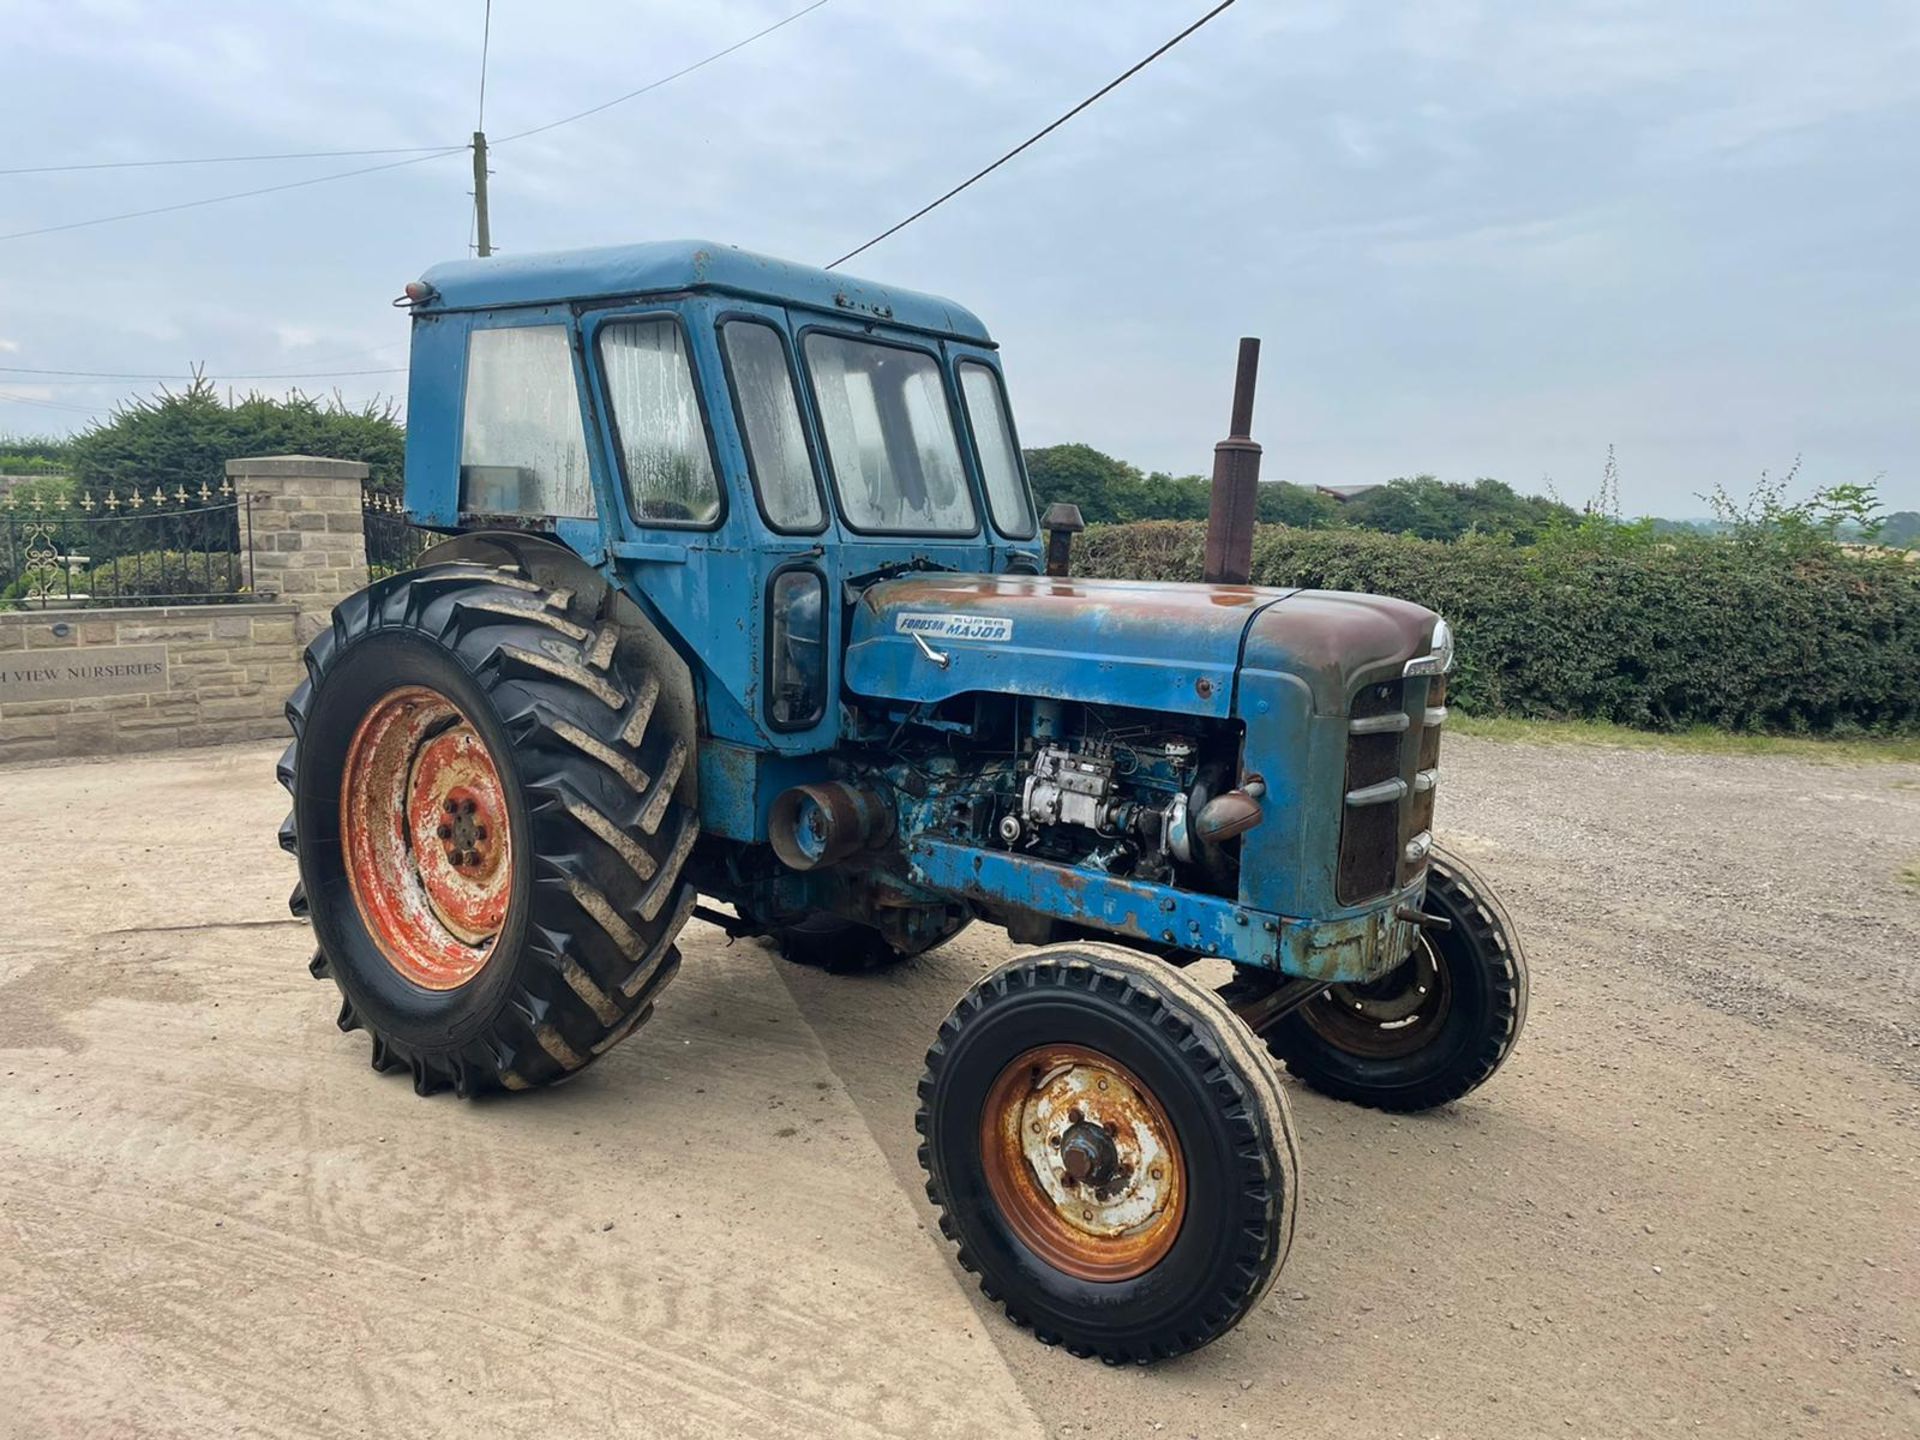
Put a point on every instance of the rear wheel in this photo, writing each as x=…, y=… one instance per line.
x=489, y=840
x=1430, y=1031
x=1110, y=1149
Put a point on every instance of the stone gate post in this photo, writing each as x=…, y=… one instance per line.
x=309, y=547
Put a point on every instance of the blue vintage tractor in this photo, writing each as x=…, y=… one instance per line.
x=743, y=596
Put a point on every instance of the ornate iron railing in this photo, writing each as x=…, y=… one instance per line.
x=139, y=546
x=393, y=541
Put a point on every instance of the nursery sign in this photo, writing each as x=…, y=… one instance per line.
x=77, y=674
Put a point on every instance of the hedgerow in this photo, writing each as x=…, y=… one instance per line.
x=1767, y=634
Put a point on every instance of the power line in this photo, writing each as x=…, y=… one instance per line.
x=486, y=40
x=663, y=80
x=48, y=404
x=482, y=227
x=1034, y=138
x=236, y=195
x=219, y=160
x=63, y=377
x=417, y=156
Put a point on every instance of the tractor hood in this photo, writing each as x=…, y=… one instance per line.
x=1151, y=645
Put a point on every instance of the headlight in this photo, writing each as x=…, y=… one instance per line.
x=1438, y=660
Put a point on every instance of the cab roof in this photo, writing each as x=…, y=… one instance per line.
x=666, y=266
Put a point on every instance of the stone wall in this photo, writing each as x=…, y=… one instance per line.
x=99, y=682
x=95, y=682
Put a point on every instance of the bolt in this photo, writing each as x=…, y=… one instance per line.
x=1154, y=1173
x=452, y=806
x=1074, y=1116
x=1086, y=1214
x=1103, y=1084
x=1167, y=904
x=445, y=832
x=479, y=832
x=466, y=807
x=1035, y=1127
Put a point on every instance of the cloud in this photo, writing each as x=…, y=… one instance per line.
x=1477, y=236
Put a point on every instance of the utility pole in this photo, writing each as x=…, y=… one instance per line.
x=483, y=236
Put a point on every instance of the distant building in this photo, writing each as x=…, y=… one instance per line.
x=1345, y=492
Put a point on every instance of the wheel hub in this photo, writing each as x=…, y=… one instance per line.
x=1083, y=1163
x=1088, y=1155
x=424, y=822
x=1387, y=1017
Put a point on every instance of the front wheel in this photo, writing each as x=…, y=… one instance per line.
x=1430, y=1031
x=1111, y=1151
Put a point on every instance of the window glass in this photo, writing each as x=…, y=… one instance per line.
x=889, y=433
x=523, y=450
x=656, y=420
x=770, y=420
x=999, y=460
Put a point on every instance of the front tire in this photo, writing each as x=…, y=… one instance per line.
x=1433, y=1030
x=1111, y=1151
x=489, y=838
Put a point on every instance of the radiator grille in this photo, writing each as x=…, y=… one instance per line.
x=1370, y=832
x=1393, y=760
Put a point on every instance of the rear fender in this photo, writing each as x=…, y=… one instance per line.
x=557, y=568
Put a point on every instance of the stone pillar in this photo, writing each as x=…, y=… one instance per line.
x=309, y=547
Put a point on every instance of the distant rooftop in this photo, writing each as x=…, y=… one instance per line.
x=1345, y=492
x=668, y=266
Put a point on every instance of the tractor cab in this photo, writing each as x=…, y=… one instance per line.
x=733, y=438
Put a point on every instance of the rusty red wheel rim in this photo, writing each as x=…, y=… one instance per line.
x=424, y=823
x=1083, y=1163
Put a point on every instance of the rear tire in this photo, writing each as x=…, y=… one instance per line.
x=589, y=836
x=1433, y=1030
x=1173, y=1206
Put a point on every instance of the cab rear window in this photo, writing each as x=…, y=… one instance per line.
x=523, y=450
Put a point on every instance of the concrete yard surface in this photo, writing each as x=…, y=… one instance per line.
x=1689, y=1205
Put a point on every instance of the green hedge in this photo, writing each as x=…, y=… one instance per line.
x=1663, y=635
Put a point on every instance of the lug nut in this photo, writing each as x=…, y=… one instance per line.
x=445, y=832
x=451, y=806
x=479, y=832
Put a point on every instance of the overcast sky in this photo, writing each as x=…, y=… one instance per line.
x=1476, y=238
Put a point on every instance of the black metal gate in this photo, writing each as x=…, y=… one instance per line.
x=145, y=546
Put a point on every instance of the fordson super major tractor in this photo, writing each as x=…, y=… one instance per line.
x=742, y=596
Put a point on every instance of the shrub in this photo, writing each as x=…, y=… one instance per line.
x=186, y=437
x=1660, y=632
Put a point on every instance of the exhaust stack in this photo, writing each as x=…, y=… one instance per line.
x=1236, y=481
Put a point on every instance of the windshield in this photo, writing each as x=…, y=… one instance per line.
x=890, y=437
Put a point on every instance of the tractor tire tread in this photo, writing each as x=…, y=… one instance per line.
x=605, y=893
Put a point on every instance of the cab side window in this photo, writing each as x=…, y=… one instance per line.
x=770, y=423
x=661, y=434
x=523, y=449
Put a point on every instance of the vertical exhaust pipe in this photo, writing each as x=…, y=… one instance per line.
x=1236, y=481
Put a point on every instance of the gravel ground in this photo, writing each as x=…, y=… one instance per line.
x=1688, y=1204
